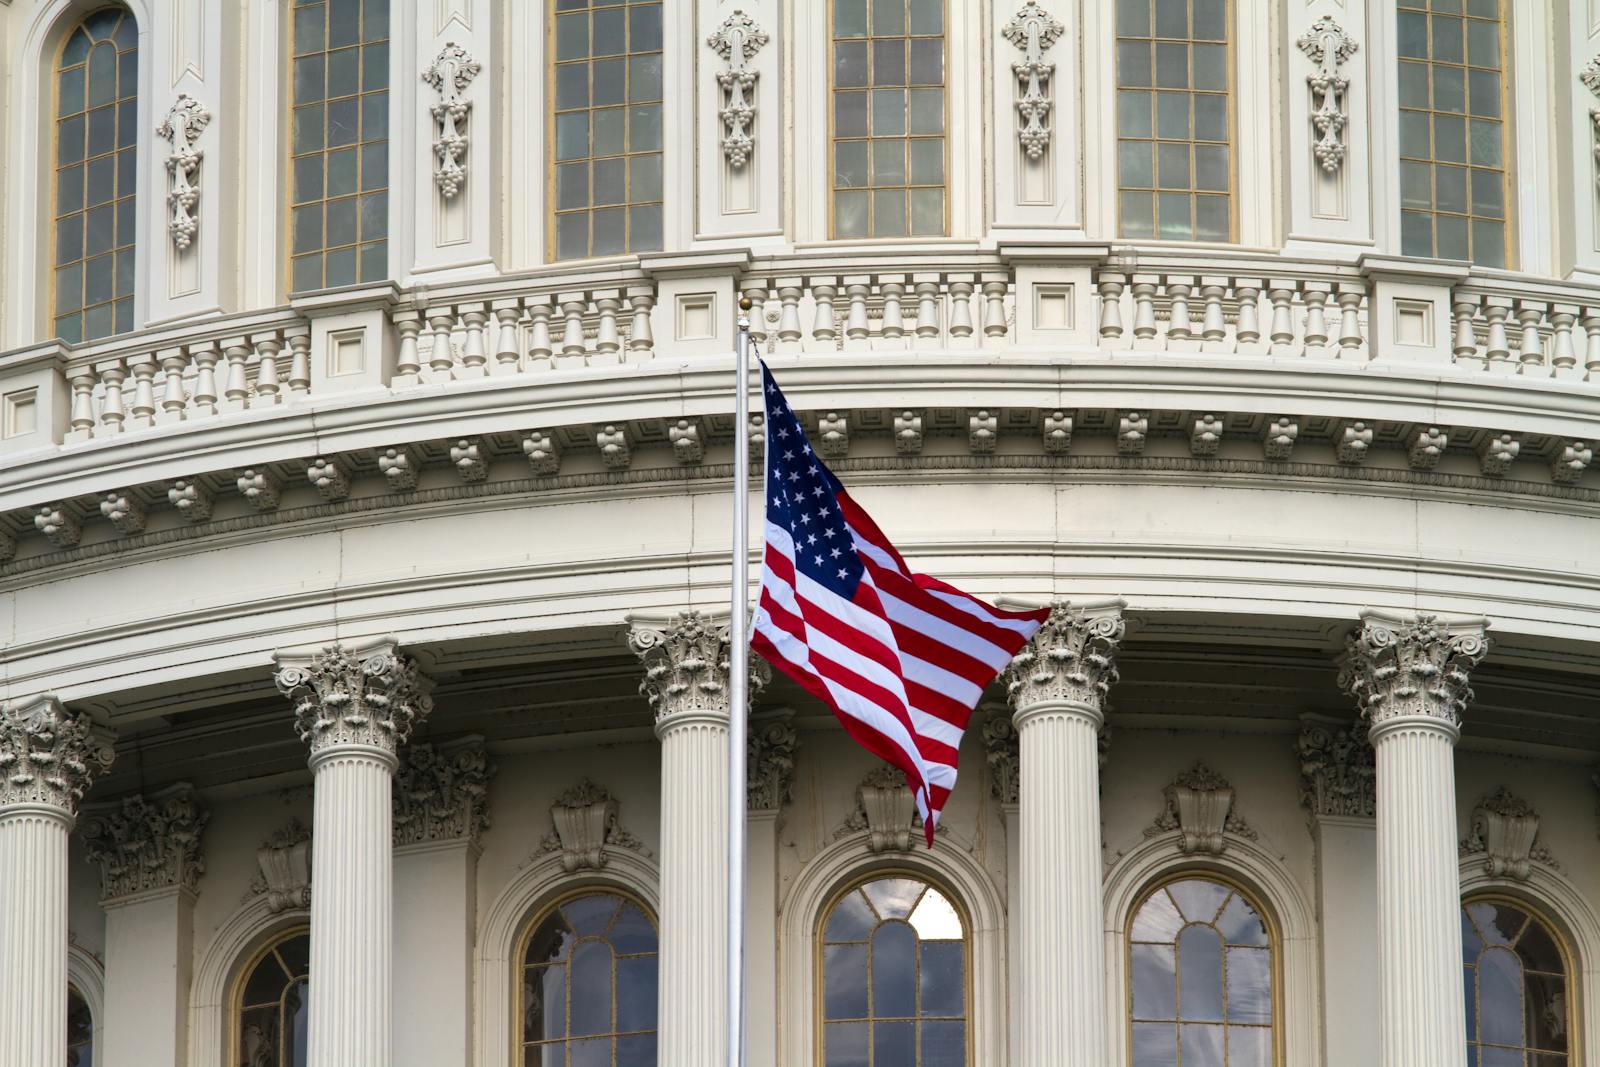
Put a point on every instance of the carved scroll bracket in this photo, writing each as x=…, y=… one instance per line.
x=1033, y=30
x=1328, y=46
x=185, y=121
x=452, y=71
x=737, y=41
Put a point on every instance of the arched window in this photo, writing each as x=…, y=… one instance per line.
x=1518, y=1011
x=97, y=79
x=80, y=1030
x=1174, y=127
x=589, y=985
x=605, y=101
x=339, y=143
x=272, y=1006
x=1200, y=960
x=894, y=977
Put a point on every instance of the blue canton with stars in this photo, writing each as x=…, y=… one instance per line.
x=803, y=498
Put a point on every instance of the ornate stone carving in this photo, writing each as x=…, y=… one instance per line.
x=285, y=862
x=1497, y=454
x=1569, y=461
x=1590, y=77
x=1205, y=436
x=1505, y=830
x=1405, y=668
x=686, y=665
x=190, y=499
x=544, y=454
x=1004, y=755
x=1133, y=430
x=186, y=120
x=769, y=765
x=124, y=511
x=48, y=755
x=1200, y=808
x=1072, y=659
x=328, y=477
x=1277, y=443
x=983, y=430
x=399, y=467
x=441, y=794
x=908, y=433
x=684, y=437
x=616, y=450
x=886, y=809
x=469, y=457
x=1033, y=30
x=260, y=487
x=58, y=524
x=737, y=41
x=833, y=434
x=144, y=844
x=1338, y=772
x=449, y=75
x=1427, y=448
x=584, y=824
x=1057, y=433
x=1353, y=444
x=1329, y=47
x=370, y=697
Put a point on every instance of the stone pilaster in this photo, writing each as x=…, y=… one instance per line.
x=769, y=777
x=355, y=708
x=686, y=660
x=1058, y=686
x=48, y=758
x=1409, y=679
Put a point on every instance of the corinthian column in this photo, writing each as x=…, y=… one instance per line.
x=1058, y=686
x=48, y=757
x=686, y=681
x=355, y=708
x=1409, y=678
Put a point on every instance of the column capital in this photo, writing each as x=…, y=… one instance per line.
x=1412, y=670
x=769, y=767
x=368, y=697
x=145, y=844
x=49, y=756
x=686, y=662
x=441, y=793
x=1338, y=771
x=1071, y=661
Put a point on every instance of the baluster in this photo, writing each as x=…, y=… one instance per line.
x=927, y=310
x=441, y=359
x=142, y=411
x=573, y=305
x=757, y=295
x=506, y=354
x=267, y=347
x=407, y=365
x=822, y=293
x=1109, y=284
x=1350, y=297
x=1179, y=328
x=1563, y=360
x=1591, y=349
x=112, y=376
x=83, y=380
x=1281, y=295
x=1248, y=291
x=994, y=310
x=961, y=310
x=474, y=353
x=894, y=323
x=1213, y=330
x=540, y=347
x=1316, y=297
x=173, y=398
x=1144, y=308
x=641, y=341
x=300, y=363
x=1531, y=349
x=789, y=291
x=237, y=389
x=1498, y=352
x=608, y=301
x=856, y=326
x=1466, y=342
x=205, y=356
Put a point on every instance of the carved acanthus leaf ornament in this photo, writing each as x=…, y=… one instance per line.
x=342, y=697
x=584, y=823
x=148, y=843
x=1505, y=831
x=769, y=769
x=1338, y=770
x=1412, y=668
x=441, y=794
x=284, y=860
x=886, y=810
x=49, y=756
x=1072, y=659
x=1199, y=805
x=686, y=665
x=1002, y=745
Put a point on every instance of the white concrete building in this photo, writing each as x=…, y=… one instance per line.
x=366, y=430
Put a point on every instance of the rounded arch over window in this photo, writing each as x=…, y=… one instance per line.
x=894, y=963
x=80, y=1030
x=271, y=1004
x=589, y=982
x=1517, y=974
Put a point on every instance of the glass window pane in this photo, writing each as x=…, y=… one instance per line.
x=1155, y=1044
x=844, y=981
x=1154, y=977
x=1133, y=113
x=927, y=162
x=846, y=1044
x=1249, y=989
x=1138, y=214
x=888, y=212
x=850, y=213
x=889, y=61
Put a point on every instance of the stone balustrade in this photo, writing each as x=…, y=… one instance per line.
x=1537, y=330
x=870, y=311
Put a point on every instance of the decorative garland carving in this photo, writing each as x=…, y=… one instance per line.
x=342, y=697
x=1505, y=830
x=1200, y=807
x=1401, y=668
x=584, y=823
x=1033, y=30
x=48, y=755
x=1328, y=46
x=441, y=794
x=769, y=767
x=449, y=75
x=144, y=844
x=186, y=120
x=737, y=41
x=1338, y=770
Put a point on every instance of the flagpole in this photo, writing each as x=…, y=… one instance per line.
x=738, y=685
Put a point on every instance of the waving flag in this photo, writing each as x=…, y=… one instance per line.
x=900, y=657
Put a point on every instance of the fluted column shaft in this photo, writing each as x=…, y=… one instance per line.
x=33, y=935
x=1062, y=968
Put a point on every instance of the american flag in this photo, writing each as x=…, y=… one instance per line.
x=900, y=657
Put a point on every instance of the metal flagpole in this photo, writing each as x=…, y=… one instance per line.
x=738, y=685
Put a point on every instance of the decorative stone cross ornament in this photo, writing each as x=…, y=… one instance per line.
x=1328, y=46
x=737, y=41
x=452, y=71
x=1033, y=30
x=185, y=121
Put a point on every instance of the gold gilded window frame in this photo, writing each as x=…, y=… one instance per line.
x=1572, y=978
x=519, y=967
x=833, y=139
x=1230, y=95
x=819, y=976
x=1506, y=118
x=236, y=991
x=1274, y=947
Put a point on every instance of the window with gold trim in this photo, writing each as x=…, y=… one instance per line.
x=96, y=137
x=1454, y=187
x=1518, y=991
x=606, y=153
x=1201, y=971
x=272, y=1006
x=338, y=143
x=894, y=977
x=888, y=119
x=1174, y=122
x=80, y=1030
x=589, y=984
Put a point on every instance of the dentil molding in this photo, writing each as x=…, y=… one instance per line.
x=769, y=766
x=1328, y=46
x=449, y=75
x=737, y=41
x=584, y=823
x=1338, y=770
x=1505, y=831
x=369, y=697
x=1199, y=805
x=186, y=120
x=441, y=793
x=1408, y=668
x=284, y=860
x=49, y=756
x=1071, y=660
x=147, y=843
